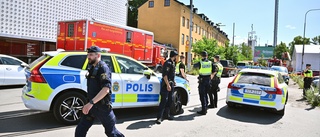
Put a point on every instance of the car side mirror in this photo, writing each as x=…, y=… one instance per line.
x=25, y=65
x=147, y=73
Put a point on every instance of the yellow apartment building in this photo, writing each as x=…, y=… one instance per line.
x=169, y=20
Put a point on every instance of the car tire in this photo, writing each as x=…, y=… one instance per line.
x=67, y=108
x=176, y=107
x=231, y=105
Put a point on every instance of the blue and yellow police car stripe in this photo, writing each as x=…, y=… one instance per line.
x=132, y=98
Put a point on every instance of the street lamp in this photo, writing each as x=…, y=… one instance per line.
x=304, y=35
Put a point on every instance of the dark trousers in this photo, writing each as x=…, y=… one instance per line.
x=105, y=114
x=213, y=92
x=306, y=84
x=204, y=87
x=166, y=101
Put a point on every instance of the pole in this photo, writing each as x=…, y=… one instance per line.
x=275, y=23
x=190, y=34
x=304, y=36
x=233, y=34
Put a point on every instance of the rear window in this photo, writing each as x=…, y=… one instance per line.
x=34, y=63
x=224, y=63
x=75, y=61
x=255, y=78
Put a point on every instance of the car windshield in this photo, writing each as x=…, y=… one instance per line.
x=255, y=78
x=224, y=63
x=241, y=64
x=280, y=69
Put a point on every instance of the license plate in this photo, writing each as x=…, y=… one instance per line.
x=252, y=91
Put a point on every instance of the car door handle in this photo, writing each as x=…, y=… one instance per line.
x=8, y=69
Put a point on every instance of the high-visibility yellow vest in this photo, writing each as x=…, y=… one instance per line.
x=220, y=70
x=309, y=75
x=178, y=69
x=205, y=68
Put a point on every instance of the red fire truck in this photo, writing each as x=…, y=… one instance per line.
x=78, y=35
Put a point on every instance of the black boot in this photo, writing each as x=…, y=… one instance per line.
x=202, y=112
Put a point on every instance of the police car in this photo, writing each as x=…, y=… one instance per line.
x=261, y=88
x=56, y=82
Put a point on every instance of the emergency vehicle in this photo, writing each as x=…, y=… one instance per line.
x=78, y=35
x=56, y=82
x=265, y=89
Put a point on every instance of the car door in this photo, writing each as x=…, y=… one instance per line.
x=282, y=85
x=2, y=68
x=138, y=91
x=13, y=71
x=117, y=91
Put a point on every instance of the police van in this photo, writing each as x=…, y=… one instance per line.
x=56, y=82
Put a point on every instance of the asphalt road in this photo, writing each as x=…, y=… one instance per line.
x=300, y=119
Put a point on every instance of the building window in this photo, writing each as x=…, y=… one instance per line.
x=166, y=2
x=196, y=28
x=128, y=38
x=199, y=30
x=187, y=38
x=188, y=25
x=183, y=21
x=151, y=4
x=182, y=39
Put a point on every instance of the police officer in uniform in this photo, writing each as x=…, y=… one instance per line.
x=205, y=75
x=99, y=96
x=307, y=80
x=167, y=88
x=181, y=68
x=217, y=72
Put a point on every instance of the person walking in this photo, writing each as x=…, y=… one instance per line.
x=99, y=96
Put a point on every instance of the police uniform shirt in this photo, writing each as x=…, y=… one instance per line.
x=169, y=69
x=198, y=65
x=96, y=82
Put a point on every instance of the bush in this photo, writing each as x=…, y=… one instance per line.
x=312, y=96
x=193, y=71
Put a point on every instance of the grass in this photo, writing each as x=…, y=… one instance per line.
x=312, y=95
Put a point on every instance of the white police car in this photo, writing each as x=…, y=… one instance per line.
x=56, y=82
x=261, y=88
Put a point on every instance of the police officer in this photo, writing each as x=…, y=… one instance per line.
x=205, y=75
x=99, y=96
x=217, y=72
x=181, y=68
x=167, y=88
x=307, y=80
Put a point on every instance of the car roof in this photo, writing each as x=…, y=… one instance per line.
x=277, y=67
x=8, y=56
x=262, y=71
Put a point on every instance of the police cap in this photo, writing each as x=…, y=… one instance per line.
x=173, y=53
x=308, y=65
x=217, y=56
x=93, y=49
x=204, y=54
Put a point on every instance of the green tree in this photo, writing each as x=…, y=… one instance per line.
x=316, y=40
x=262, y=61
x=232, y=53
x=298, y=40
x=133, y=12
x=246, y=51
x=208, y=45
x=279, y=49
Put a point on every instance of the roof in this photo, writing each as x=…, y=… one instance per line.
x=262, y=71
x=307, y=49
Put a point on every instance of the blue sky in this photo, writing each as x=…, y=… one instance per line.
x=260, y=13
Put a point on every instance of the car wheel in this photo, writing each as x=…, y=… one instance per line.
x=176, y=107
x=67, y=108
x=230, y=105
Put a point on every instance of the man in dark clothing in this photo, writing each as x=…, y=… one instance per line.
x=308, y=75
x=205, y=75
x=181, y=68
x=99, y=96
x=167, y=88
x=217, y=72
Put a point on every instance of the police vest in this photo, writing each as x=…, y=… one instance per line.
x=178, y=68
x=309, y=75
x=205, y=68
x=220, y=70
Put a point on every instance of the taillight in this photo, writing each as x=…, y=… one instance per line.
x=230, y=86
x=36, y=75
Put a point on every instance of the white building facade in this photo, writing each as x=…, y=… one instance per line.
x=36, y=20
